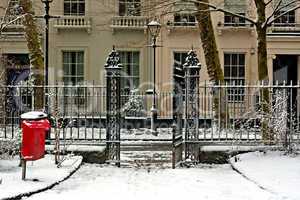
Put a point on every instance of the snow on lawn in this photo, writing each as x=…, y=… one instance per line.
x=203, y=182
x=273, y=170
x=44, y=170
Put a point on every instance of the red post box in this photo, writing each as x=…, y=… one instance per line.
x=34, y=126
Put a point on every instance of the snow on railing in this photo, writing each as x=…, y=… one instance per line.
x=86, y=104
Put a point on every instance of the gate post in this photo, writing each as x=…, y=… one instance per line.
x=113, y=69
x=191, y=122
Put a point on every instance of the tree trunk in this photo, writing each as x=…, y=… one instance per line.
x=3, y=84
x=35, y=52
x=261, y=31
x=212, y=60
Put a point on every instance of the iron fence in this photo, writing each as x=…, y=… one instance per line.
x=227, y=113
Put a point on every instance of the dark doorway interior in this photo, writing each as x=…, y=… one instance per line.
x=17, y=72
x=17, y=66
x=285, y=68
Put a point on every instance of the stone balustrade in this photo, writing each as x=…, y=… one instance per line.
x=12, y=21
x=73, y=22
x=133, y=22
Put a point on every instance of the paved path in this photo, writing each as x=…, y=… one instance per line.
x=140, y=182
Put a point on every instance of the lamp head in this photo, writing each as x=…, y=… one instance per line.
x=154, y=28
x=46, y=1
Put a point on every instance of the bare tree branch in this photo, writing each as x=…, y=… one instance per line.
x=276, y=9
x=4, y=25
x=270, y=1
x=216, y=8
x=3, y=20
x=282, y=14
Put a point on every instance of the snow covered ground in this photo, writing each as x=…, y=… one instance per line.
x=269, y=176
x=273, y=170
x=203, y=182
x=40, y=174
x=278, y=173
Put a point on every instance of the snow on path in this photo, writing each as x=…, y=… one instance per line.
x=273, y=170
x=44, y=171
x=108, y=182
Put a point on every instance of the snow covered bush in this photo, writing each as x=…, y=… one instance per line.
x=280, y=120
x=10, y=147
x=134, y=107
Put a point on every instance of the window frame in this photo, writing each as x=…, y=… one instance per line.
x=235, y=77
x=124, y=8
x=77, y=13
x=290, y=16
x=130, y=74
x=190, y=19
x=70, y=64
x=230, y=20
x=182, y=57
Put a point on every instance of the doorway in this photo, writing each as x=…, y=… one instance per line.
x=285, y=69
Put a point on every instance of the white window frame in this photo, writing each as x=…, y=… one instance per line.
x=70, y=74
x=235, y=95
x=130, y=75
x=78, y=2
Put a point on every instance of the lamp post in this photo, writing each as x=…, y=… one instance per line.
x=46, y=51
x=154, y=29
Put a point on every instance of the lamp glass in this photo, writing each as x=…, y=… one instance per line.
x=154, y=28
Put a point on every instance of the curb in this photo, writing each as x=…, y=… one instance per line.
x=28, y=194
x=249, y=179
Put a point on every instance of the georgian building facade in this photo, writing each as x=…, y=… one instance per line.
x=86, y=31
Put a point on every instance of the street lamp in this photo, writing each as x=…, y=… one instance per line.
x=154, y=29
x=46, y=52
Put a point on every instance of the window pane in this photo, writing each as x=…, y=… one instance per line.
x=67, y=9
x=233, y=71
x=135, y=70
x=227, y=59
x=136, y=58
x=66, y=57
x=129, y=71
x=79, y=80
x=136, y=82
x=74, y=9
x=79, y=69
x=121, y=9
x=73, y=57
x=80, y=57
x=66, y=69
x=177, y=57
x=227, y=71
x=241, y=71
x=234, y=59
x=81, y=9
x=241, y=59
x=67, y=80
